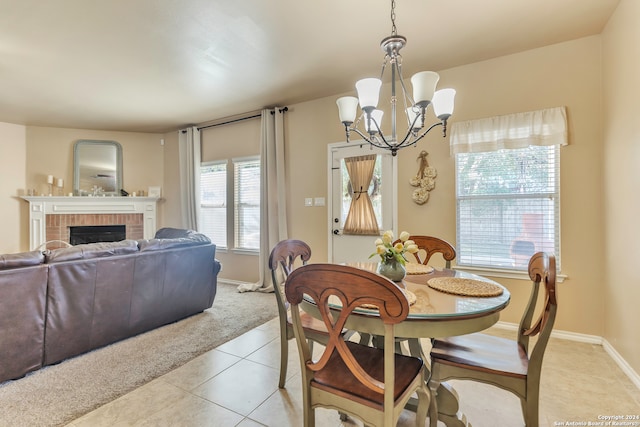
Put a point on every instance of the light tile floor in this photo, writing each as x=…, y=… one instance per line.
x=236, y=384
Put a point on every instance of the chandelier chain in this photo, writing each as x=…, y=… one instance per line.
x=394, y=31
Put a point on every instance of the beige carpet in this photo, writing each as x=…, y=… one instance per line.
x=55, y=395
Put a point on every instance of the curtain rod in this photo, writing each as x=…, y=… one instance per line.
x=231, y=121
x=282, y=110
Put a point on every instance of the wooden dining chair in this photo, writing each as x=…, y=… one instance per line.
x=282, y=260
x=429, y=246
x=369, y=383
x=501, y=362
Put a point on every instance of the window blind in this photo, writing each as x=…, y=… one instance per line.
x=247, y=204
x=213, y=202
x=507, y=206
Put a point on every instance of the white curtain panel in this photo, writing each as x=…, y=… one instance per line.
x=542, y=127
x=273, y=202
x=189, y=156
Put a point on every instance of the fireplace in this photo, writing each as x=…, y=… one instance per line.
x=96, y=233
x=51, y=218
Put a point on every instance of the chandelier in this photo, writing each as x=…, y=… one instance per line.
x=424, y=93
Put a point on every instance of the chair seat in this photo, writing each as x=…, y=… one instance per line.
x=482, y=352
x=336, y=377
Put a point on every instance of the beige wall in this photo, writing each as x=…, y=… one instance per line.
x=50, y=152
x=567, y=74
x=170, y=210
x=14, y=211
x=621, y=47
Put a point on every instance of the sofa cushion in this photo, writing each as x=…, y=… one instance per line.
x=173, y=233
x=194, y=239
x=91, y=250
x=22, y=259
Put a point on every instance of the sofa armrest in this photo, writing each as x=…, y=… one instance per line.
x=22, y=259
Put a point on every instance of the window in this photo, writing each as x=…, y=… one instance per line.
x=508, y=188
x=507, y=206
x=213, y=202
x=247, y=203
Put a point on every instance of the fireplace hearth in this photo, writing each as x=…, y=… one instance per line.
x=96, y=233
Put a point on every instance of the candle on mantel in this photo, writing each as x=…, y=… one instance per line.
x=50, y=179
x=60, y=183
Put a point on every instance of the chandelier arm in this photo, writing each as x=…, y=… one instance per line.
x=373, y=141
x=422, y=135
x=406, y=142
x=411, y=132
x=384, y=65
x=386, y=143
x=365, y=137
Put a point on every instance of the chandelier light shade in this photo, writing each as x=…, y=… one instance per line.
x=368, y=93
x=347, y=108
x=443, y=103
x=371, y=126
x=415, y=104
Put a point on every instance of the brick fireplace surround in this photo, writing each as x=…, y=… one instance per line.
x=51, y=217
x=58, y=225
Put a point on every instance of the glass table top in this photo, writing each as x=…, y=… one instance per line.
x=433, y=304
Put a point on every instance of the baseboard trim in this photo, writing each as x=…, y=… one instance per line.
x=626, y=368
x=231, y=282
x=589, y=339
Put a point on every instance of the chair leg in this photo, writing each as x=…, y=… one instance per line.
x=530, y=408
x=284, y=360
x=308, y=413
x=415, y=349
x=433, y=404
x=423, y=403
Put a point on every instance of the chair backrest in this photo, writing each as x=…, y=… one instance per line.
x=282, y=261
x=430, y=245
x=542, y=270
x=350, y=287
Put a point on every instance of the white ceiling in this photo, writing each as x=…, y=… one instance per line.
x=157, y=65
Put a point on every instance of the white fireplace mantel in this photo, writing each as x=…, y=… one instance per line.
x=40, y=206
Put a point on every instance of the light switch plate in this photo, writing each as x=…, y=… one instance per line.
x=319, y=201
x=308, y=201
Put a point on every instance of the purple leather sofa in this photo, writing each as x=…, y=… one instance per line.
x=65, y=302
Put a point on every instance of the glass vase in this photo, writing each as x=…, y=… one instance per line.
x=392, y=269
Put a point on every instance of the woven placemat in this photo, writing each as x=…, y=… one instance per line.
x=465, y=287
x=414, y=268
x=410, y=296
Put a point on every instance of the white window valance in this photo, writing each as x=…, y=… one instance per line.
x=542, y=127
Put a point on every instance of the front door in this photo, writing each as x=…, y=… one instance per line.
x=349, y=246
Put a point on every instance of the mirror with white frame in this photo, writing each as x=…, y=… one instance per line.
x=97, y=168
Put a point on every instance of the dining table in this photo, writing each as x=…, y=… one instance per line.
x=443, y=303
